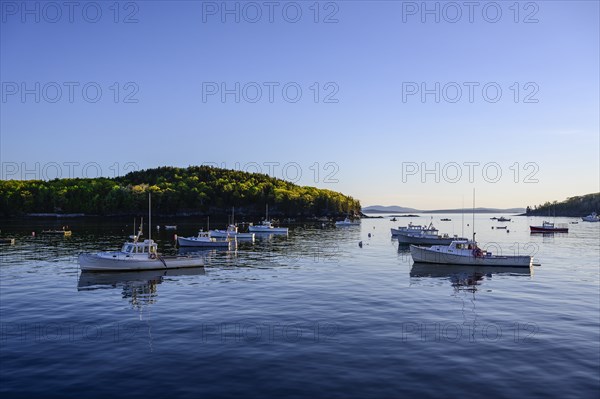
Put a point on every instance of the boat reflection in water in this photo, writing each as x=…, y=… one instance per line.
x=140, y=288
x=465, y=277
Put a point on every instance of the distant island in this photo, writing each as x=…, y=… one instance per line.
x=573, y=206
x=399, y=209
x=196, y=190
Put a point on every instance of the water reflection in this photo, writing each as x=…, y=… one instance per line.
x=139, y=288
x=464, y=278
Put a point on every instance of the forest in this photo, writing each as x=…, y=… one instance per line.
x=573, y=206
x=196, y=190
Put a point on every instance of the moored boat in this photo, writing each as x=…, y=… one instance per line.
x=136, y=255
x=593, y=217
x=231, y=232
x=503, y=219
x=411, y=228
x=346, y=223
x=203, y=239
x=62, y=232
x=426, y=236
x=465, y=252
x=548, y=227
x=266, y=226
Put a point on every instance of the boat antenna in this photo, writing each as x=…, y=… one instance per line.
x=208, y=223
x=462, y=234
x=473, y=214
x=149, y=216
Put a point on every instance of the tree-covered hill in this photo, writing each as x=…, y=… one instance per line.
x=175, y=191
x=573, y=206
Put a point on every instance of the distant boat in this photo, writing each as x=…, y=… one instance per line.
x=503, y=219
x=445, y=220
x=548, y=227
x=170, y=227
x=267, y=226
x=203, y=239
x=63, y=232
x=411, y=228
x=494, y=218
x=7, y=241
x=393, y=219
x=593, y=217
x=501, y=227
x=231, y=231
x=467, y=253
x=346, y=222
x=136, y=255
x=427, y=236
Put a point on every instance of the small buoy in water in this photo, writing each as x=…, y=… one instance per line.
x=369, y=235
x=508, y=231
x=33, y=233
x=492, y=227
x=360, y=244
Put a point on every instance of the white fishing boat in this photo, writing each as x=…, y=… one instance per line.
x=203, y=239
x=427, y=236
x=411, y=228
x=136, y=255
x=463, y=252
x=467, y=253
x=231, y=232
x=593, y=217
x=266, y=227
x=346, y=222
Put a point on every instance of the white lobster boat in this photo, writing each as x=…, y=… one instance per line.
x=266, y=227
x=346, y=222
x=593, y=217
x=411, y=228
x=136, y=255
x=203, y=239
x=231, y=232
x=465, y=252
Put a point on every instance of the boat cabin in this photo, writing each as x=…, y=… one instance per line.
x=145, y=247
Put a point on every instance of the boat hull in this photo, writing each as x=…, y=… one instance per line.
x=590, y=219
x=417, y=240
x=225, y=234
x=268, y=230
x=93, y=262
x=540, y=229
x=427, y=255
x=193, y=242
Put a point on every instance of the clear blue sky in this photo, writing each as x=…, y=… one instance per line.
x=175, y=56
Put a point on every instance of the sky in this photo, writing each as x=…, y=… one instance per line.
x=393, y=102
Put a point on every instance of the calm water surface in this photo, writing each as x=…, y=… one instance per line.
x=311, y=314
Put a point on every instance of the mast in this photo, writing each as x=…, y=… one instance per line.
x=473, y=214
x=149, y=216
x=267, y=213
x=462, y=234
